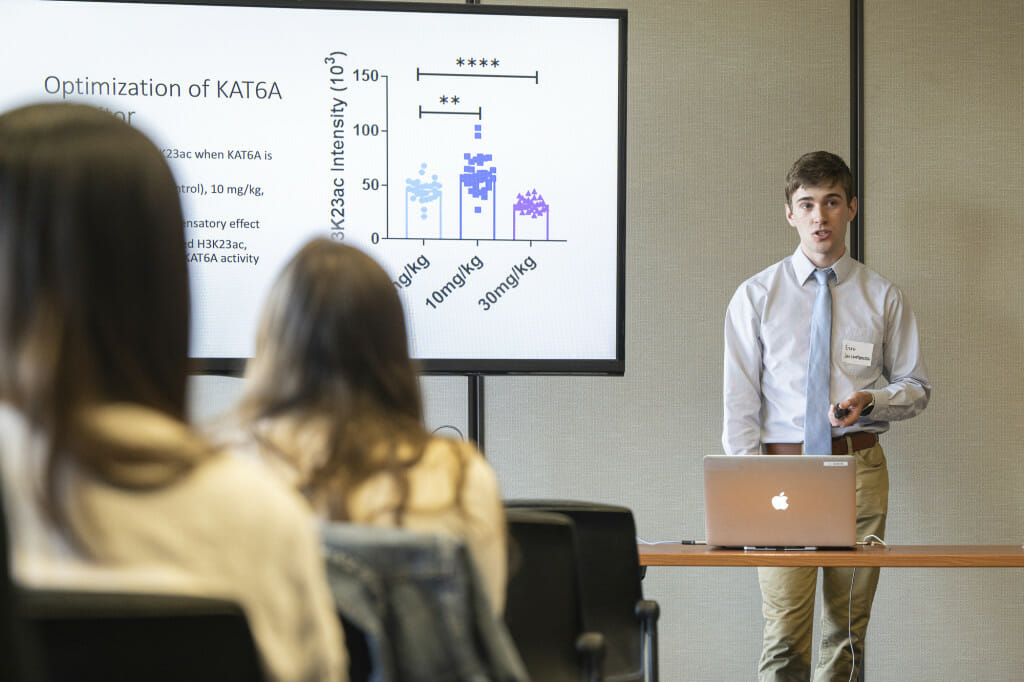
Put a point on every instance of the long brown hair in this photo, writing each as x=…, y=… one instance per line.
x=332, y=348
x=94, y=300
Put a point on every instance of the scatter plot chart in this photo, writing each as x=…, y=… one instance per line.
x=459, y=133
x=423, y=205
x=531, y=216
x=477, y=198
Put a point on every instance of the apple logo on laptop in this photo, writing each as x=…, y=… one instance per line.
x=780, y=502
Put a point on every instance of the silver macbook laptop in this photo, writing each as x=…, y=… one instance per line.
x=770, y=501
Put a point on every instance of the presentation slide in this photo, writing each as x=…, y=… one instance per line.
x=474, y=152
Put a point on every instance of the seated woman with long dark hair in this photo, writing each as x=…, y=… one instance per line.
x=332, y=400
x=106, y=486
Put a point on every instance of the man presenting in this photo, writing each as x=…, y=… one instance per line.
x=821, y=353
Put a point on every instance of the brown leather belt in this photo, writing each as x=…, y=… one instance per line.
x=843, y=445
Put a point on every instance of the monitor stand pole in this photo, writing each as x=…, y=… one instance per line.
x=476, y=386
x=476, y=410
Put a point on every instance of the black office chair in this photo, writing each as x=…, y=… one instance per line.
x=17, y=660
x=543, y=609
x=112, y=637
x=612, y=594
x=414, y=609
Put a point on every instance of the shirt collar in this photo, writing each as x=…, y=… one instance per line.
x=803, y=268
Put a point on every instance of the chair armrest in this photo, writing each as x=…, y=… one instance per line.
x=591, y=647
x=648, y=611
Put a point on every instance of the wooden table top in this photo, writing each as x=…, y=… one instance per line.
x=936, y=556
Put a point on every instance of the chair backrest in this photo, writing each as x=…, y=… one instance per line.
x=92, y=636
x=543, y=609
x=610, y=579
x=414, y=608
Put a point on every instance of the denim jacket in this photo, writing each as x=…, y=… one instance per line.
x=417, y=601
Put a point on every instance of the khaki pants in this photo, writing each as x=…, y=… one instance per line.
x=788, y=596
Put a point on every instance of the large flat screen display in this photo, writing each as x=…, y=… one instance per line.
x=475, y=151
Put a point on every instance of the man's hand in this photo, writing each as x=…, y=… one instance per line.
x=854, y=403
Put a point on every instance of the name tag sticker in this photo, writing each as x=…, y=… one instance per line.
x=857, y=353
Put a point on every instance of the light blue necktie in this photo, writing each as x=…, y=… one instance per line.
x=817, y=430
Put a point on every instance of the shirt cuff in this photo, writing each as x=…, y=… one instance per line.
x=870, y=406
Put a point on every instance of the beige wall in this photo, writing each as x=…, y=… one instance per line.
x=944, y=114
x=722, y=97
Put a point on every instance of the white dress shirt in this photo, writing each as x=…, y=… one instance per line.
x=875, y=348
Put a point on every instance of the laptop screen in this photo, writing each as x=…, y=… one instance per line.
x=780, y=500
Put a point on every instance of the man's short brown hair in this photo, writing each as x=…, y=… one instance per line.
x=819, y=169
